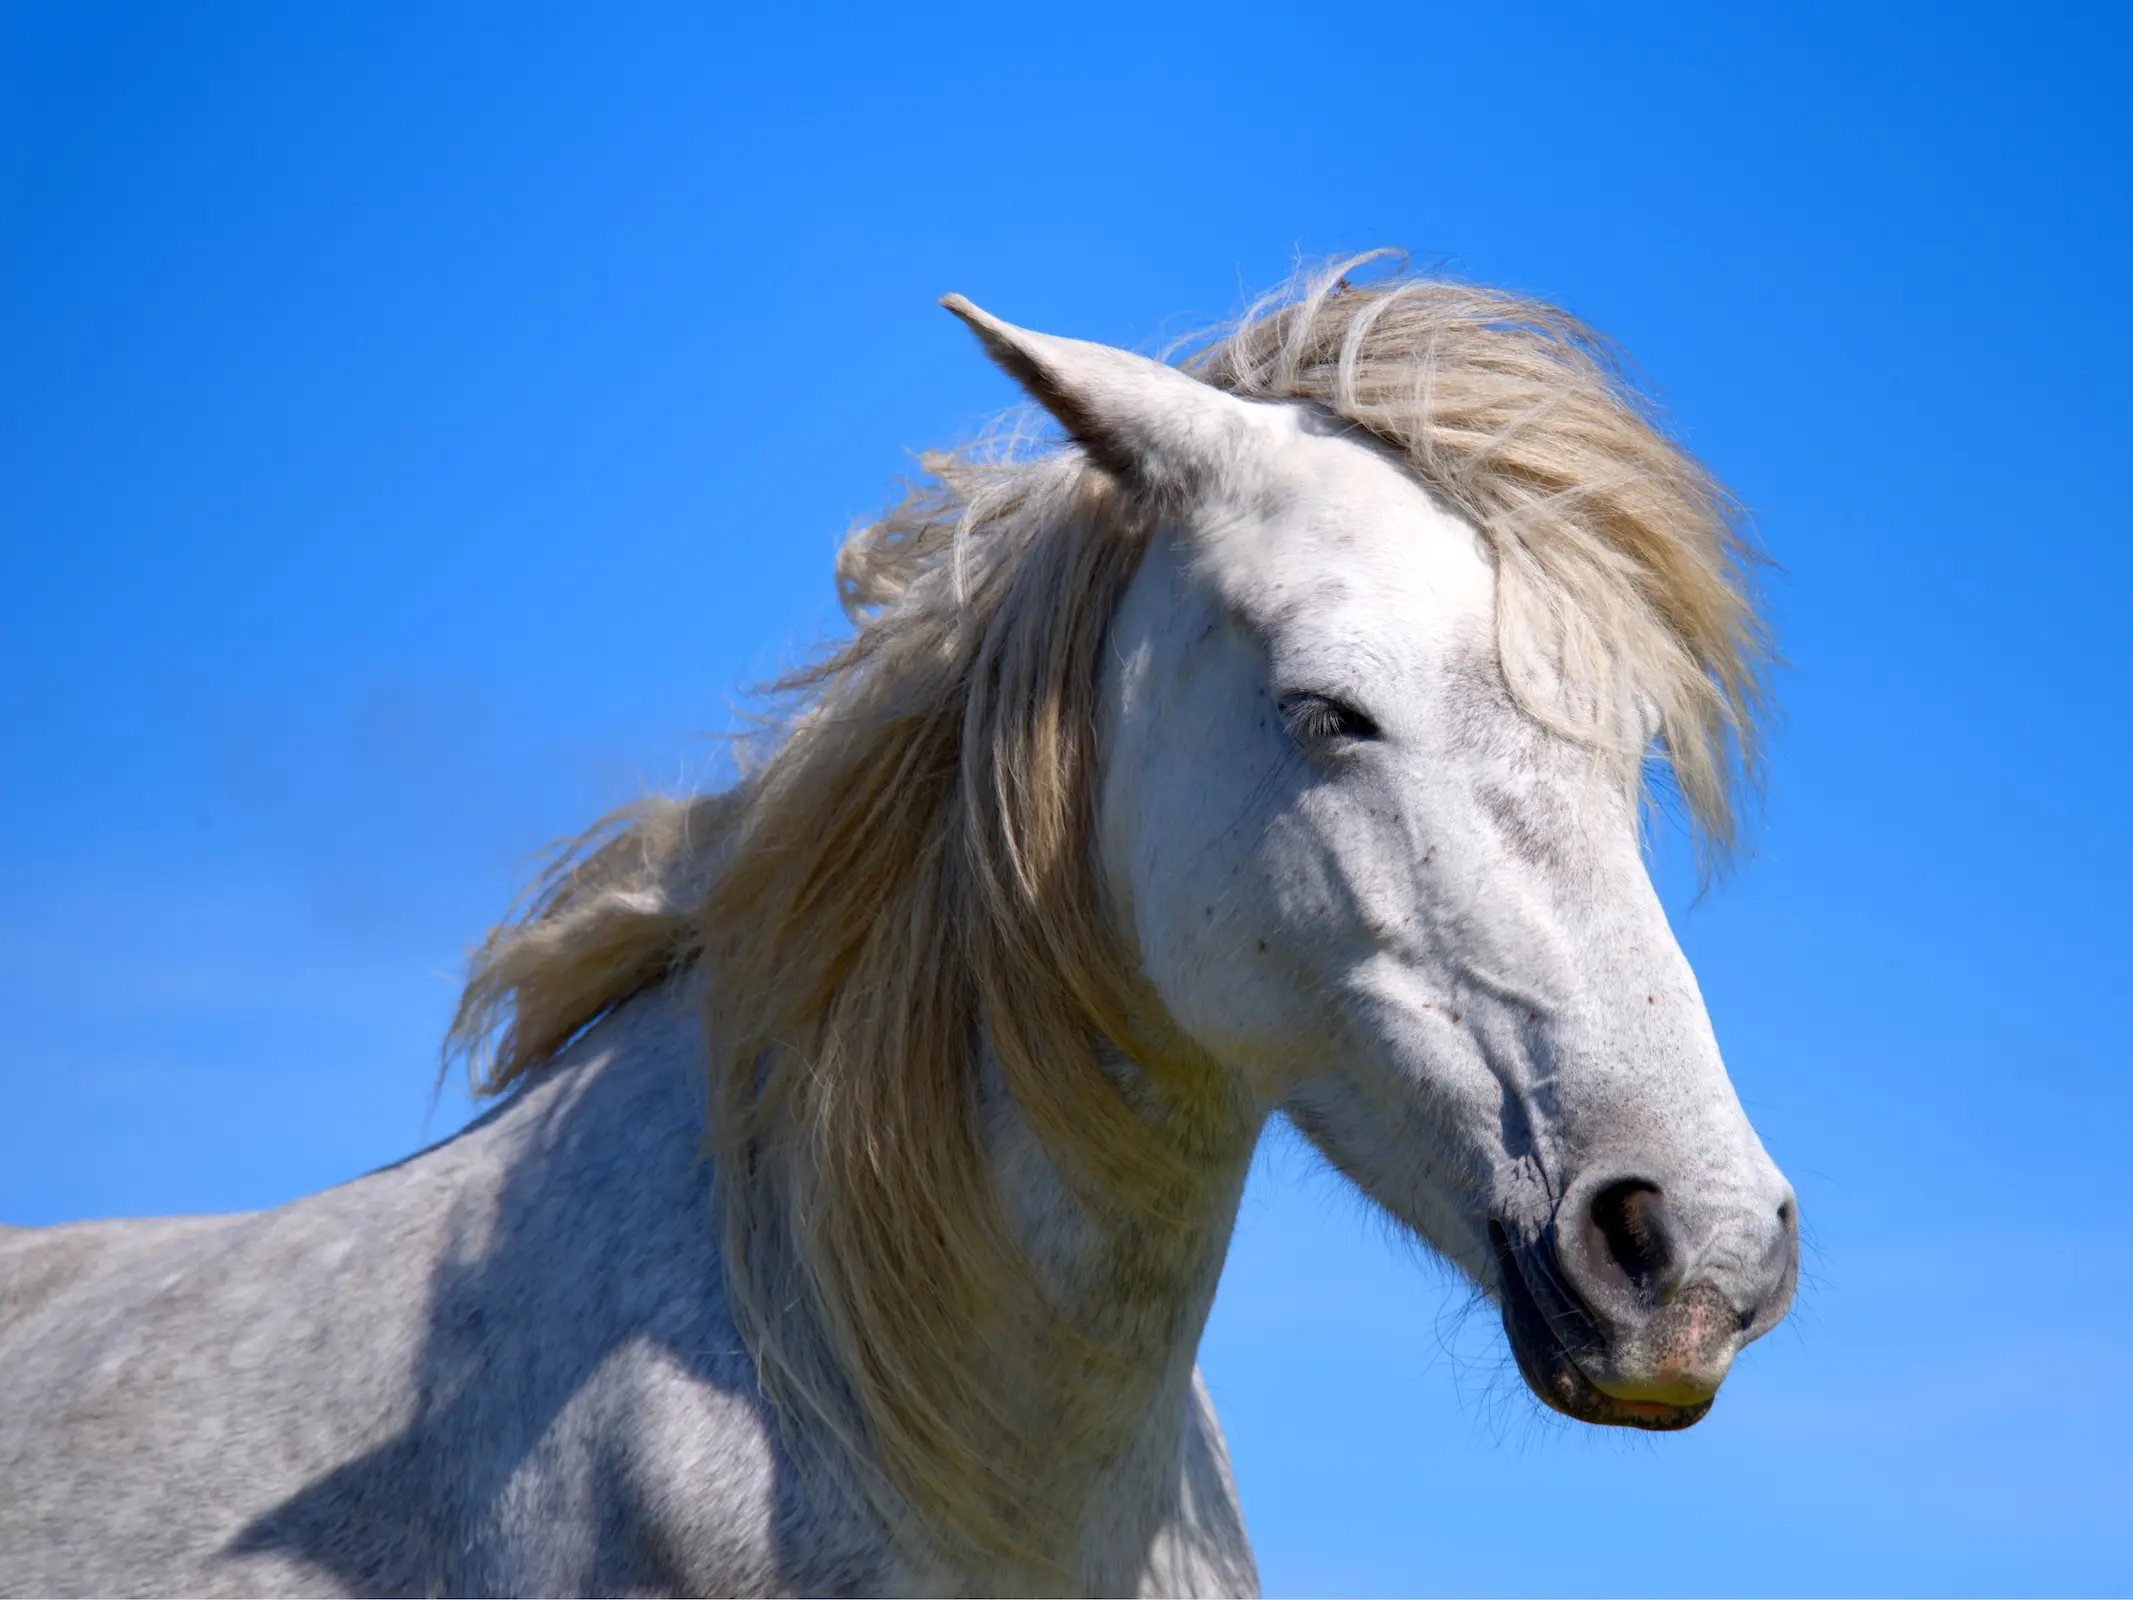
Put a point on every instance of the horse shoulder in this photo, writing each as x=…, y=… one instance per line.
x=502, y=1364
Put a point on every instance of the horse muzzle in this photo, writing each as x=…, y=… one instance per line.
x=1619, y=1315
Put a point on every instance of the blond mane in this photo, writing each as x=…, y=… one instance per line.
x=903, y=891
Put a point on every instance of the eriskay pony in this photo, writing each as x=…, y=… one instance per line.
x=1273, y=746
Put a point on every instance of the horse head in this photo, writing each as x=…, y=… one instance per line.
x=1369, y=823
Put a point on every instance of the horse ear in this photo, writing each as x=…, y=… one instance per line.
x=1137, y=419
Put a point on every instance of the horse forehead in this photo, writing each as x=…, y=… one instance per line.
x=1327, y=528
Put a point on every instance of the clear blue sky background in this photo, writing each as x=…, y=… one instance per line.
x=417, y=423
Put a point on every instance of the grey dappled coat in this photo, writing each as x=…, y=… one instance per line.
x=502, y=1366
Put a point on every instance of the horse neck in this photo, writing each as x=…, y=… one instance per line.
x=1145, y=1285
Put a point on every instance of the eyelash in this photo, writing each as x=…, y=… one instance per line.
x=1313, y=719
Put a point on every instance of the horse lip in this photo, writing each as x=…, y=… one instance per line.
x=1551, y=1370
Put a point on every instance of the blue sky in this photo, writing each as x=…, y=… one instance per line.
x=419, y=424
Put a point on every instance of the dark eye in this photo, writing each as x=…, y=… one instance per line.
x=1317, y=719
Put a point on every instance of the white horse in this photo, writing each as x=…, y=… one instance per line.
x=1274, y=745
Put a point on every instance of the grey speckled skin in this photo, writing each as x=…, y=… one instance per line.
x=503, y=1366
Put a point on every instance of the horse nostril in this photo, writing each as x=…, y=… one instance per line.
x=1630, y=1218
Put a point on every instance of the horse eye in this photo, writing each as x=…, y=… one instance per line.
x=1320, y=719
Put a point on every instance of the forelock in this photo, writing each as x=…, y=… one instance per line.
x=1625, y=572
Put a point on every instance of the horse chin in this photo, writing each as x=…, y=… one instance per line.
x=1552, y=1372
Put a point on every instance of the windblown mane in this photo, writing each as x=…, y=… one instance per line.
x=904, y=889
